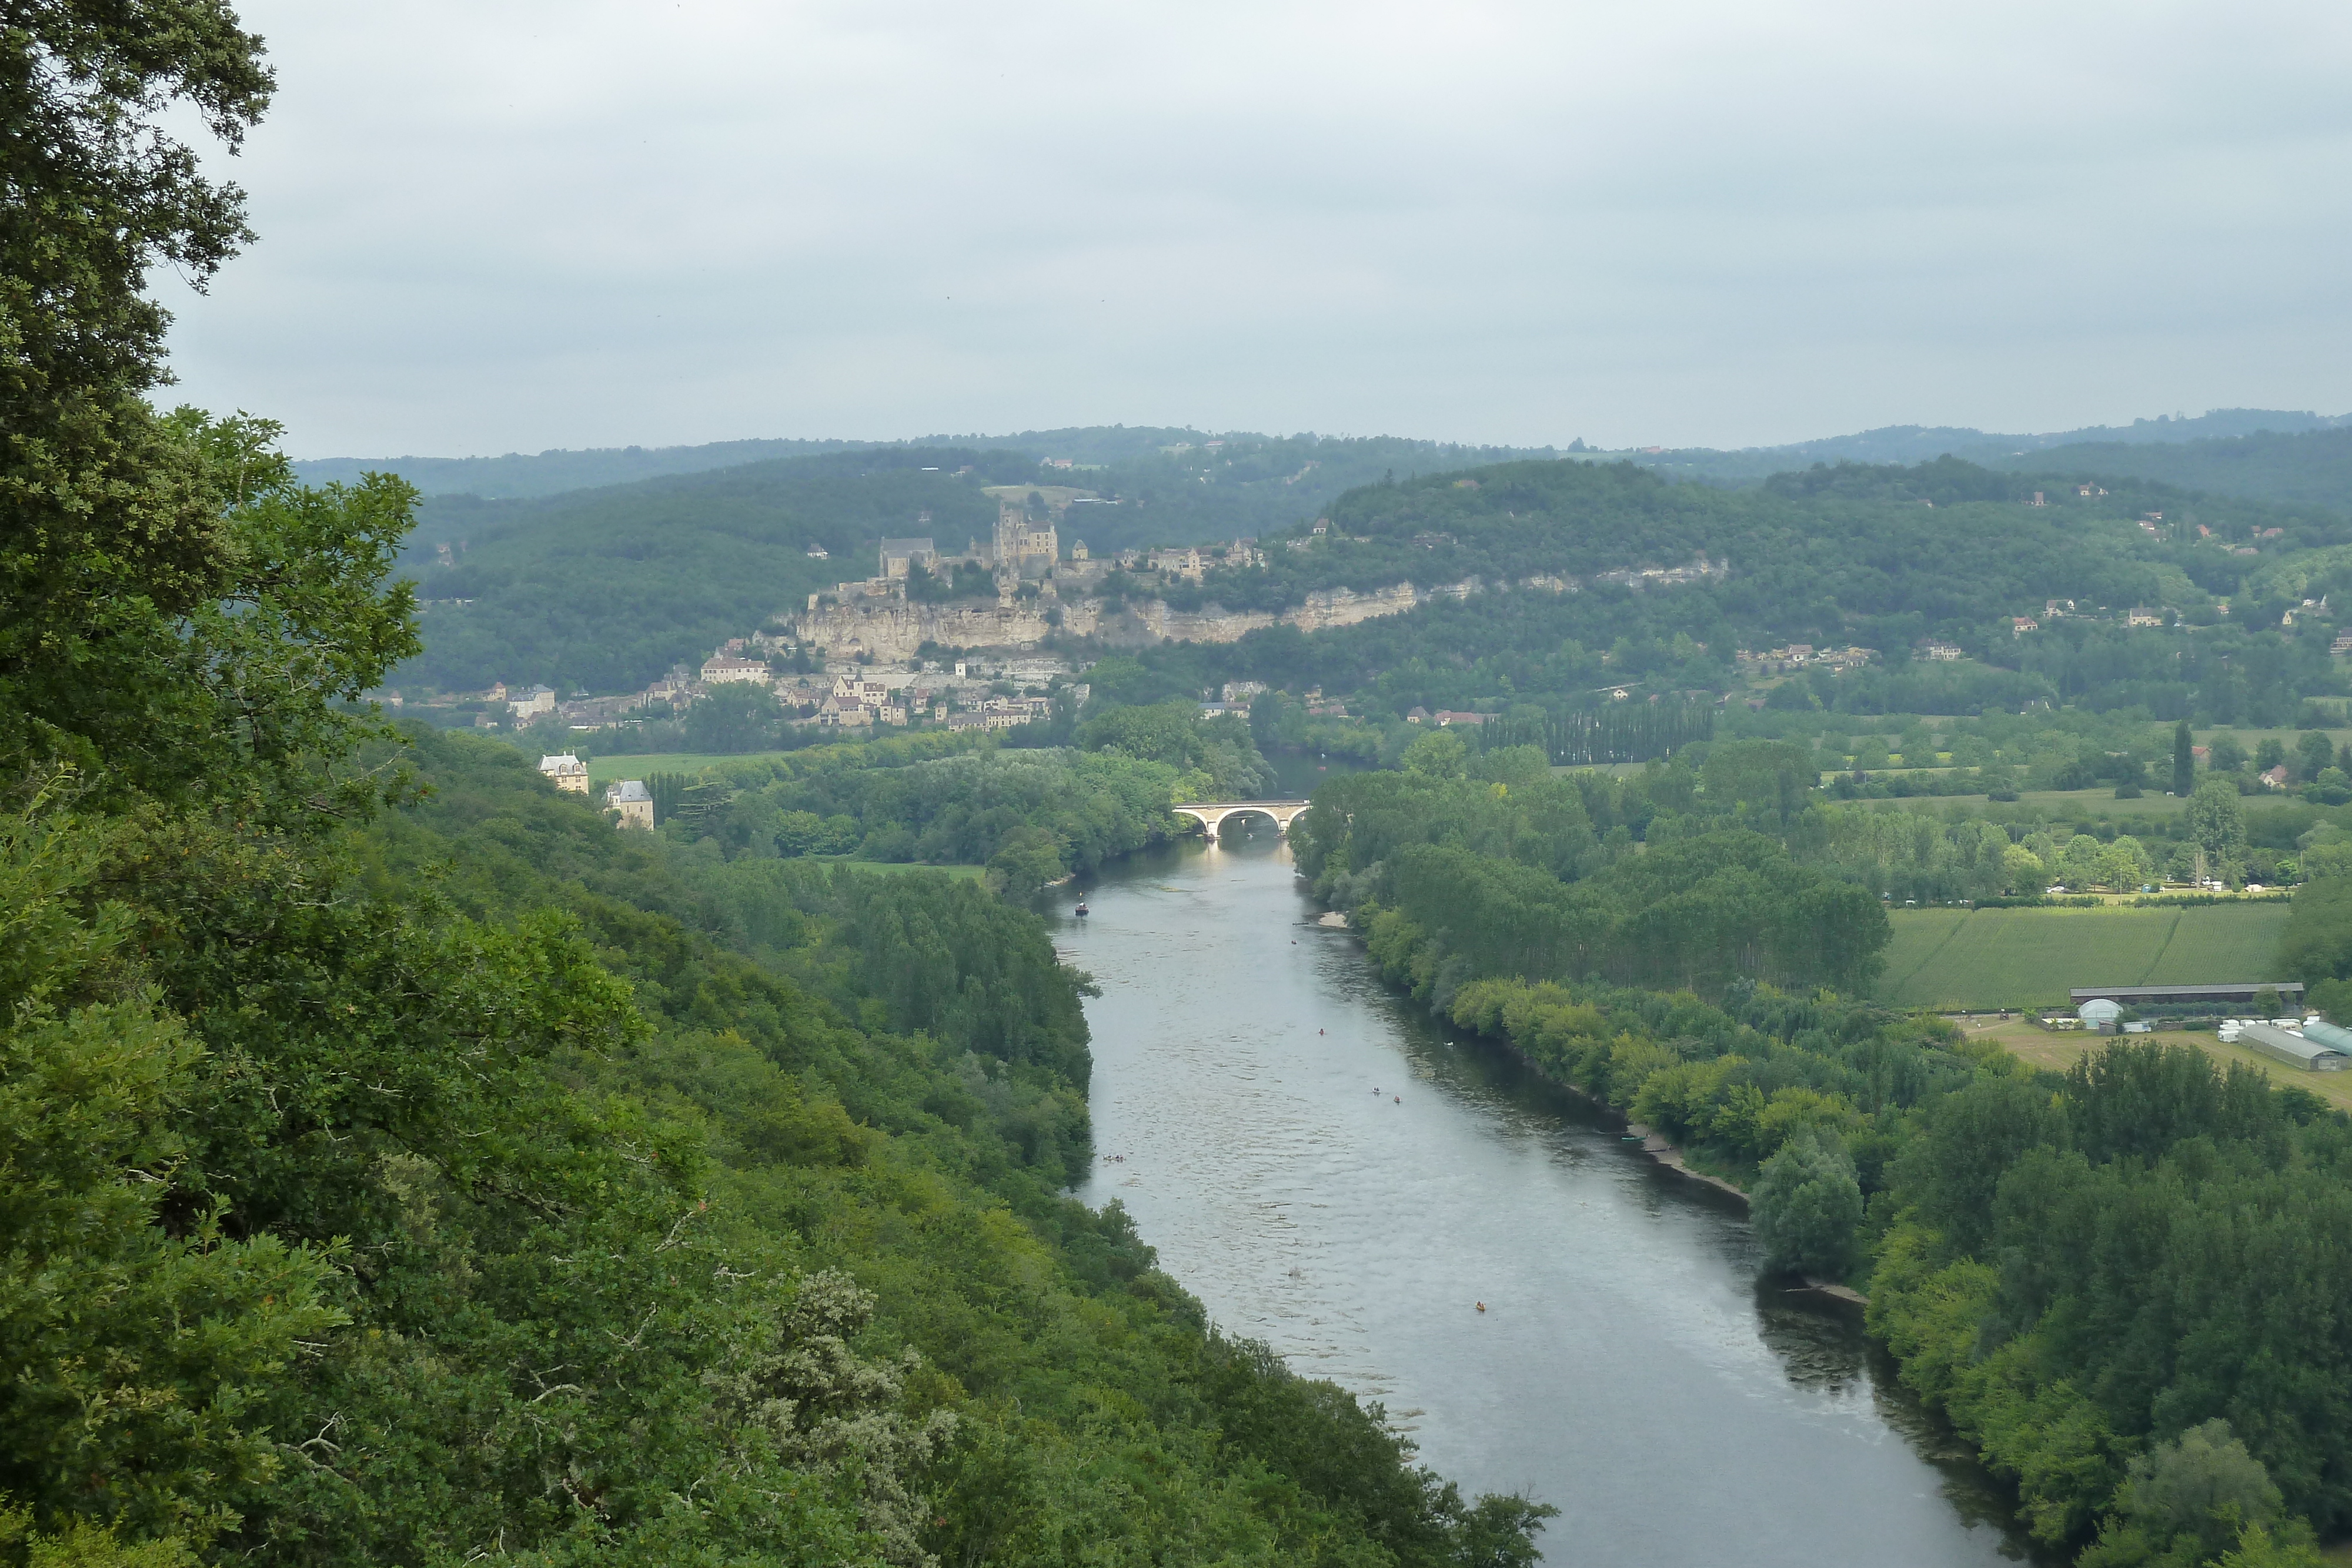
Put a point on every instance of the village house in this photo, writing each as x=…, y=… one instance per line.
x=1447, y=717
x=898, y=554
x=725, y=669
x=630, y=798
x=1942, y=652
x=1187, y=563
x=848, y=714
x=2141, y=615
x=566, y=772
x=532, y=703
x=2019, y=625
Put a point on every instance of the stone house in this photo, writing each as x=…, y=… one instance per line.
x=566, y=772
x=723, y=668
x=630, y=798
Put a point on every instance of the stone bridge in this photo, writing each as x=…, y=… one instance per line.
x=1211, y=814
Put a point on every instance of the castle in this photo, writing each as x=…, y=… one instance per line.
x=1019, y=550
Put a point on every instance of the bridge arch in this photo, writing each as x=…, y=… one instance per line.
x=1211, y=814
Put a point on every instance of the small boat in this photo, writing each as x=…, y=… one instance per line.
x=1082, y=907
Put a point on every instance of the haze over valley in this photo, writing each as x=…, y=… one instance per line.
x=680, y=892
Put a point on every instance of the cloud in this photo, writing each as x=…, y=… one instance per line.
x=493, y=227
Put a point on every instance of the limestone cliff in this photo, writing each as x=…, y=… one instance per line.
x=893, y=629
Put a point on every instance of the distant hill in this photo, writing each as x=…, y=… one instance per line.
x=521, y=476
x=2310, y=467
x=1951, y=543
x=525, y=475
x=1921, y=443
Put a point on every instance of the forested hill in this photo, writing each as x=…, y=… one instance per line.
x=519, y=475
x=2312, y=468
x=1922, y=442
x=1947, y=541
x=606, y=588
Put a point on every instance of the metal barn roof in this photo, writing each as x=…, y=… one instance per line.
x=2288, y=991
x=2295, y=1050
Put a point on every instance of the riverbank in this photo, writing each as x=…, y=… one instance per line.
x=1655, y=1145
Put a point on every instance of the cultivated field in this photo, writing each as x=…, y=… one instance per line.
x=1984, y=958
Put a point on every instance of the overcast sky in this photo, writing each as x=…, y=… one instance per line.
x=488, y=227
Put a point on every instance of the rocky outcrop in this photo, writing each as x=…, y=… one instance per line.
x=893, y=629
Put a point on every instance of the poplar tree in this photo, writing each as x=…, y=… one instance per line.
x=2184, y=760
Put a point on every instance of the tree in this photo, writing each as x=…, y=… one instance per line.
x=2217, y=824
x=119, y=520
x=2203, y=1484
x=736, y=716
x=2313, y=755
x=1808, y=1205
x=2225, y=754
x=2184, y=760
x=1440, y=754
x=1029, y=858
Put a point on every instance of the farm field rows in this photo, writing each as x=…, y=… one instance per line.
x=1983, y=959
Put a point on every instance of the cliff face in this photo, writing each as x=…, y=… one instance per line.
x=893, y=629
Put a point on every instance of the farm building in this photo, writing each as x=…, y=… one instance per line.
x=2289, y=992
x=2100, y=1014
x=2306, y=1051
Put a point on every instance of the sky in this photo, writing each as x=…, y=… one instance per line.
x=508, y=226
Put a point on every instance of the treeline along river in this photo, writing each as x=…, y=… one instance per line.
x=1319, y=1162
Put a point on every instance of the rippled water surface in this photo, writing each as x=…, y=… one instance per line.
x=1316, y=1162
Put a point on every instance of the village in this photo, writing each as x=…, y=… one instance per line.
x=873, y=652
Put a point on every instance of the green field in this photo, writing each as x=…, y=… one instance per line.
x=603, y=770
x=1980, y=958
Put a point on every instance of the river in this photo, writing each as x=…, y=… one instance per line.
x=1330, y=1170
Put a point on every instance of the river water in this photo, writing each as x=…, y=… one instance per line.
x=1328, y=1171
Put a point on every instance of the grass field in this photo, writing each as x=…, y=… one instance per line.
x=1954, y=958
x=2059, y=1051
x=603, y=770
